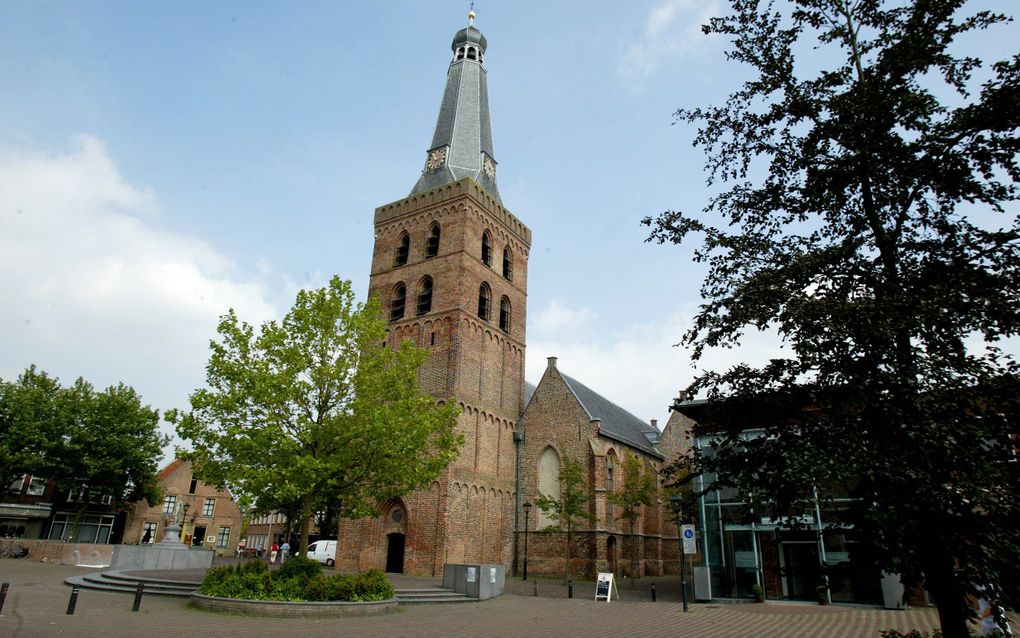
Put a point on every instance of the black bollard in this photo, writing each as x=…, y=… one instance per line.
x=3, y=596
x=138, y=596
x=570, y=588
x=74, y=600
x=653, y=592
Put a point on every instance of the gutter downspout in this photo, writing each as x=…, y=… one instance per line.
x=518, y=440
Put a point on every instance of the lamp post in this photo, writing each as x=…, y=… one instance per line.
x=677, y=505
x=527, y=510
x=184, y=522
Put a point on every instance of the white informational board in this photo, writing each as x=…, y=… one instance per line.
x=605, y=586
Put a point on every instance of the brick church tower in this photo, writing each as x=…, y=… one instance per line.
x=450, y=269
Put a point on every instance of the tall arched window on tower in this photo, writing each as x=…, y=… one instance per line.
x=504, y=314
x=425, y=296
x=484, y=301
x=487, y=249
x=508, y=264
x=399, y=301
x=548, y=483
x=432, y=243
x=403, y=249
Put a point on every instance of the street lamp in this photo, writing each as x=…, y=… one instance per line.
x=527, y=510
x=676, y=503
x=184, y=521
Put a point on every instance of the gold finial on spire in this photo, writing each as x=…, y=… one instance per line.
x=471, y=15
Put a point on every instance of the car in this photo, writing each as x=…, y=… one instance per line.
x=323, y=552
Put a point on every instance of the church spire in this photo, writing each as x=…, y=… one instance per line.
x=462, y=144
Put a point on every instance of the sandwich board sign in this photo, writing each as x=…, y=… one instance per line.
x=605, y=587
x=687, y=532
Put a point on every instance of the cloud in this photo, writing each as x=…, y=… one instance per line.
x=558, y=316
x=92, y=286
x=672, y=30
x=638, y=368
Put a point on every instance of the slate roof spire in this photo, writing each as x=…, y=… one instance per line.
x=462, y=144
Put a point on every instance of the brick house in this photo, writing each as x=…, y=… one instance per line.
x=212, y=519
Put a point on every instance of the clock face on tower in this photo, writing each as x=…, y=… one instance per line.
x=436, y=159
x=488, y=167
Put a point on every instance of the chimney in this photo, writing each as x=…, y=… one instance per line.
x=655, y=423
x=552, y=362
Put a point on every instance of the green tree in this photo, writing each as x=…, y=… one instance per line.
x=861, y=214
x=111, y=447
x=571, y=507
x=30, y=425
x=638, y=491
x=312, y=409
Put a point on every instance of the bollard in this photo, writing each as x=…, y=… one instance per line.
x=535, y=583
x=570, y=588
x=653, y=592
x=74, y=600
x=138, y=596
x=3, y=596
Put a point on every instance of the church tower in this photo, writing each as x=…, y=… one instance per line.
x=450, y=269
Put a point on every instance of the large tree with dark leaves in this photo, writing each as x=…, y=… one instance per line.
x=867, y=213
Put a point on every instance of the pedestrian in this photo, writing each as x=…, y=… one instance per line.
x=992, y=617
x=240, y=546
x=284, y=551
x=274, y=550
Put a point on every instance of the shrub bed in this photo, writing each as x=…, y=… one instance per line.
x=299, y=579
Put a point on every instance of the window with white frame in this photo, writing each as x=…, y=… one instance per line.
x=169, y=505
x=149, y=531
x=209, y=507
x=224, y=537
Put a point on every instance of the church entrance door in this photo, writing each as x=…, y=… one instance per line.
x=611, y=553
x=395, y=553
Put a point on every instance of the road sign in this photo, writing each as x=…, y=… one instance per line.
x=687, y=533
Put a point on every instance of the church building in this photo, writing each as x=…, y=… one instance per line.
x=450, y=268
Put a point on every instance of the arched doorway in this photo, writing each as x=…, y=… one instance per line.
x=395, y=553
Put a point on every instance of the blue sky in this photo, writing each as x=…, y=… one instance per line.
x=161, y=162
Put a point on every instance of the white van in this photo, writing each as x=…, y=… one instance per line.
x=323, y=551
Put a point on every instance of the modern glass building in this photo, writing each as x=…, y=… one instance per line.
x=790, y=558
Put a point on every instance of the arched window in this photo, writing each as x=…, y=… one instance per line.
x=548, y=483
x=432, y=243
x=399, y=301
x=484, y=301
x=403, y=248
x=610, y=487
x=425, y=296
x=487, y=249
x=508, y=264
x=504, y=314
x=471, y=53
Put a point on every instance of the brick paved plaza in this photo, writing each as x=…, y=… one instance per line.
x=38, y=598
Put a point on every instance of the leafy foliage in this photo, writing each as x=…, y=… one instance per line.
x=638, y=491
x=254, y=581
x=867, y=215
x=572, y=506
x=92, y=444
x=312, y=410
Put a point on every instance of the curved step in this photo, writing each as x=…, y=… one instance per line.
x=97, y=582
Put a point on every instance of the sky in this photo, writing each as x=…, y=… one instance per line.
x=163, y=162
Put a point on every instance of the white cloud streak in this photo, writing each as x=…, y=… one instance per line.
x=91, y=285
x=672, y=31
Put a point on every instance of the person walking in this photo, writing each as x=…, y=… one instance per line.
x=284, y=551
x=273, y=551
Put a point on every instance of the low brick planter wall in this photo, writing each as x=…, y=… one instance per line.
x=287, y=609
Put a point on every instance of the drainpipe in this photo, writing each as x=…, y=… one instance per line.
x=518, y=440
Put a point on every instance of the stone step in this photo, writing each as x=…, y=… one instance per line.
x=114, y=574
x=430, y=595
x=97, y=582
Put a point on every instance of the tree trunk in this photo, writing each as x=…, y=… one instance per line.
x=949, y=599
x=306, y=518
